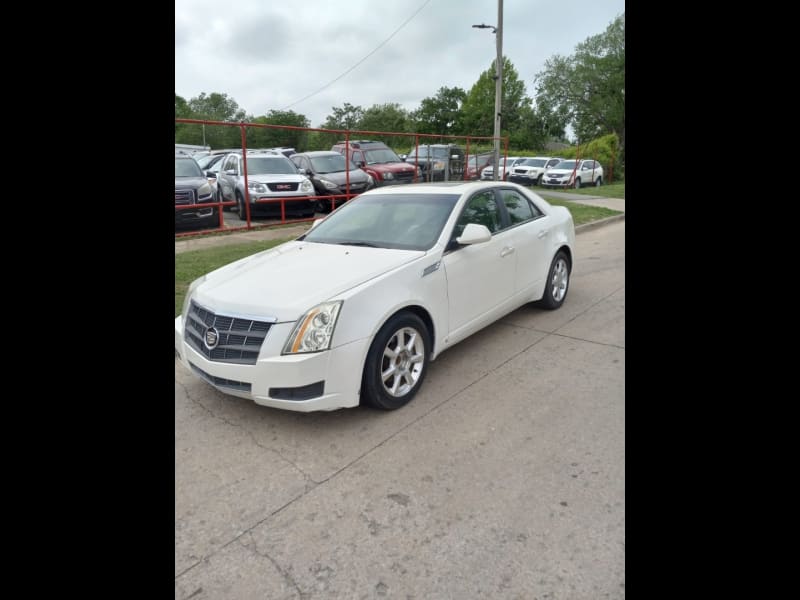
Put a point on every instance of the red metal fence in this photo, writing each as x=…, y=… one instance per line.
x=346, y=133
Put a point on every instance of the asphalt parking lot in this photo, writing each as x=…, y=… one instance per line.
x=504, y=478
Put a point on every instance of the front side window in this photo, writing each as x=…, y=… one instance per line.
x=481, y=209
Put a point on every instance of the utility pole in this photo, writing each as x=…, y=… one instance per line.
x=498, y=84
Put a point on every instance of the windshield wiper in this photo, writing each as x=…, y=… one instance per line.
x=355, y=243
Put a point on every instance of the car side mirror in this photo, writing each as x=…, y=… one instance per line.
x=474, y=234
x=403, y=157
x=230, y=172
x=302, y=171
x=211, y=175
x=361, y=164
x=455, y=157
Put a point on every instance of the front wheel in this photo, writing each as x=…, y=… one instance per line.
x=396, y=363
x=578, y=183
x=539, y=181
x=555, y=290
x=599, y=182
x=240, y=206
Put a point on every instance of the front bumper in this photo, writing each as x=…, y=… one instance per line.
x=557, y=182
x=273, y=374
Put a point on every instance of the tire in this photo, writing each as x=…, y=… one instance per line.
x=213, y=219
x=557, y=285
x=394, y=391
x=539, y=181
x=221, y=199
x=240, y=207
x=599, y=182
x=578, y=183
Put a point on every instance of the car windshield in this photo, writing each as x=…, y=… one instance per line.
x=187, y=167
x=333, y=163
x=381, y=156
x=269, y=165
x=565, y=164
x=427, y=151
x=533, y=162
x=399, y=221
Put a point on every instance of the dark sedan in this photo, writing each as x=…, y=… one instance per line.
x=329, y=174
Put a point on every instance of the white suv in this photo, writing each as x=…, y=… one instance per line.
x=567, y=173
x=530, y=170
x=511, y=162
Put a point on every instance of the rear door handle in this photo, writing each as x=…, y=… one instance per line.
x=506, y=251
x=542, y=233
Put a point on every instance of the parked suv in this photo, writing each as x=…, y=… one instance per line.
x=531, y=170
x=566, y=174
x=379, y=161
x=505, y=167
x=329, y=173
x=270, y=175
x=438, y=162
x=192, y=187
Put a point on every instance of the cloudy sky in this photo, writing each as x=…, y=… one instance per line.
x=278, y=55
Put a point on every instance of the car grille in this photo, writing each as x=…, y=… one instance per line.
x=184, y=196
x=221, y=381
x=239, y=340
x=405, y=177
x=283, y=187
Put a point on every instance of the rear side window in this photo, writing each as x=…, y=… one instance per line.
x=519, y=209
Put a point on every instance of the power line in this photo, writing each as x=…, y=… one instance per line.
x=424, y=4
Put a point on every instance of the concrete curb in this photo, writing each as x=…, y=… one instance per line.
x=595, y=224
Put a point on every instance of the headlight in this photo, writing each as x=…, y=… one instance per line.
x=370, y=180
x=258, y=188
x=314, y=330
x=192, y=287
x=306, y=186
x=204, y=190
x=389, y=175
x=328, y=184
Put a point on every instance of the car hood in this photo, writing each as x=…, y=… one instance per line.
x=189, y=183
x=338, y=177
x=288, y=280
x=399, y=167
x=276, y=178
x=559, y=171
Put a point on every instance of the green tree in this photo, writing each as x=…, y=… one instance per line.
x=268, y=137
x=385, y=117
x=346, y=117
x=218, y=107
x=589, y=86
x=440, y=113
x=477, y=114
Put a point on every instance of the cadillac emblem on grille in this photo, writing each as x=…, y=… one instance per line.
x=212, y=337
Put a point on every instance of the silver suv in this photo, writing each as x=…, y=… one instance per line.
x=270, y=176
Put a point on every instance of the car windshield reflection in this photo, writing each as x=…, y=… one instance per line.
x=398, y=221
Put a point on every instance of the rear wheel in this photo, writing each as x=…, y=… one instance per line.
x=396, y=363
x=555, y=290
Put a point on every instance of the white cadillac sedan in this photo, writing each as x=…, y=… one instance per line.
x=357, y=308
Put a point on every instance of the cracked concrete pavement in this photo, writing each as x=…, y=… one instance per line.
x=504, y=478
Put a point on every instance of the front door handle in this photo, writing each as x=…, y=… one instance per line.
x=506, y=251
x=542, y=233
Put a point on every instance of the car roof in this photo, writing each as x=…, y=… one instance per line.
x=443, y=187
x=314, y=153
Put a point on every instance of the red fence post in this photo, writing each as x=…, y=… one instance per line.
x=246, y=182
